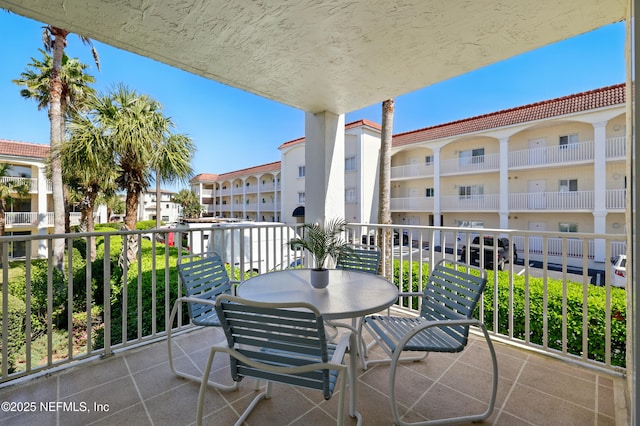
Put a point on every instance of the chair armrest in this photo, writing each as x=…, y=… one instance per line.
x=186, y=299
x=341, y=348
x=444, y=323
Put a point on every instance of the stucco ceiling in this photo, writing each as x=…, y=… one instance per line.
x=333, y=55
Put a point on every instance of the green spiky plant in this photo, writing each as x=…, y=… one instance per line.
x=323, y=242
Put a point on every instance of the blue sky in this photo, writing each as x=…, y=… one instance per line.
x=233, y=129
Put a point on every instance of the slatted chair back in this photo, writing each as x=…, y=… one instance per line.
x=279, y=338
x=451, y=293
x=204, y=278
x=362, y=260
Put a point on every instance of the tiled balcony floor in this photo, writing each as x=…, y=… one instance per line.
x=136, y=387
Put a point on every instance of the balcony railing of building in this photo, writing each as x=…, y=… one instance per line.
x=30, y=183
x=533, y=157
x=544, y=300
x=412, y=203
x=475, y=164
x=33, y=218
x=551, y=201
x=470, y=202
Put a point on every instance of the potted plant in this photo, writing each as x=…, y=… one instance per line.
x=325, y=244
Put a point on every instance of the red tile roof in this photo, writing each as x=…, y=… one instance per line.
x=264, y=168
x=584, y=101
x=23, y=149
x=363, y=122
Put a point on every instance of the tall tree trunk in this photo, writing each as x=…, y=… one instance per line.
x=131, y=214
x=384, y=209
x=56, y=117
x=90, y=224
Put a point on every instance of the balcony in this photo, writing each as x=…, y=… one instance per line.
x=412, y=171
x=486, y=202
x=475, y=164
x=137, y=386
x=569, y=373
x=412, y=203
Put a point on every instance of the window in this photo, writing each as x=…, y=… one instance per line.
x=429, y=192
x=301, y=197
x=428, y=160
x=165, y=218
x=350, y=163
x=568, y=140
x=470, y=191
x=301, y=171
x=568, y=185
x=350, y=195
x=568, y=227
x=471, y=156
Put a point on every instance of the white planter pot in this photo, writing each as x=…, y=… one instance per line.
x=319, y=278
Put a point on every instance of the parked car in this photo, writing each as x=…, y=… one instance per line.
x=619, y=271
x=502, y=256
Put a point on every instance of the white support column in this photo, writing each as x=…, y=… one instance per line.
x=42, y=211
x=503, y=207
x=437, y=212
x=324, y=167
x=276, y=208
x=600, y=188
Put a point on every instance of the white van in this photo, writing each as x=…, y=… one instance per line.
x=249, y=246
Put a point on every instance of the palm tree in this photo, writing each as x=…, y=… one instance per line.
x=384, y=212
x=61, y=84
x=191, y=207
x=88, y=172
x=55, y=40
x=9, y=189
x=172, y=163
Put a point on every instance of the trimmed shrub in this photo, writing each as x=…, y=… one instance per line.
x=16, y=338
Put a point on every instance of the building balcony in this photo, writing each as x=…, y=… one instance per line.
x=412, y=203
x=528, y=158
x=486, y=202
x=572, y=373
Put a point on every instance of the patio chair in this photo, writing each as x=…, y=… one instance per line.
x=282, y=343
x=361, y=260
x=448, y=302
x=202, y=281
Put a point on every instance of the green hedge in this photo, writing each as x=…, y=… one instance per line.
x=595, y=309
x=16, y=315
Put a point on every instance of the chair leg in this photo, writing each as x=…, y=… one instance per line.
x=216, y=385
x=462, y=419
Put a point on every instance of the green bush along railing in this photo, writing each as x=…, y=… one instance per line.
x=595, y=306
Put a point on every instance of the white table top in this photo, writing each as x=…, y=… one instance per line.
x=349, y=294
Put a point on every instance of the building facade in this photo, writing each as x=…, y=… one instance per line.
x=248, y=194
x=556, y=165
x=169, y=211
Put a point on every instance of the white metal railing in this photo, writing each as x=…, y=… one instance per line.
x=571, y=200
x=616, y=198
x=541, y=268
x=556, y=154
x=412, y=203
x=412, y=170
x=28, y=218
x=617, y=147
x=251, y=189
x=470, y=202
x=479, y=163
x=31, y=184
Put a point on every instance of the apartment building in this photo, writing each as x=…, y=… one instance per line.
x=32, y=214
x=248, y=194
x=169, y=211
x=362, y=153
x=556, y=165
